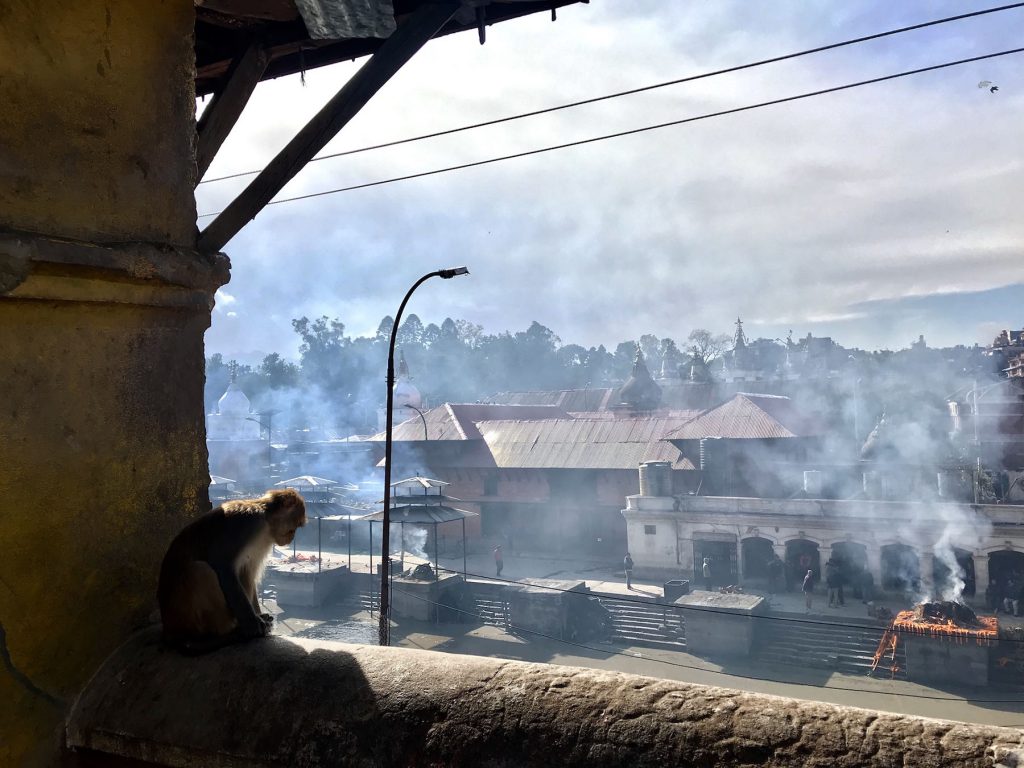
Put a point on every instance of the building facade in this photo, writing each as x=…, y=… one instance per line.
x=915, y=549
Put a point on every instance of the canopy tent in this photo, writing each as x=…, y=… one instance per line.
x=419, y=501
x=311, y=481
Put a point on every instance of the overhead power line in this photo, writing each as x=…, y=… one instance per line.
x=644, y=129
x=642, y=89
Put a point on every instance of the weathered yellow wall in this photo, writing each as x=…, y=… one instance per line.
x=102, y=444
x=94, y=96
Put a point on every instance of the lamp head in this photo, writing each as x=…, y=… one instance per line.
x=448, y=274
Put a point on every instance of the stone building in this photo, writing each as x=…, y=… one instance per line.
x=541, y=477
x=912, y=548
x=234, y=439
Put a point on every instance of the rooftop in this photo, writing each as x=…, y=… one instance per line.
x=750, y=416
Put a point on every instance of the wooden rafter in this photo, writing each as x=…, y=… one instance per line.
x=227, y=105
x=410, y=36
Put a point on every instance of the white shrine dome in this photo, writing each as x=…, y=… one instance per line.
x=405, y=393
x=233, y=402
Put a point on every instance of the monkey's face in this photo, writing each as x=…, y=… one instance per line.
x=287, y=515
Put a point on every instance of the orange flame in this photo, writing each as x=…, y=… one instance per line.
x=988, y=633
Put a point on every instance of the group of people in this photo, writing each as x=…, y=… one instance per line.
x=1006, y=595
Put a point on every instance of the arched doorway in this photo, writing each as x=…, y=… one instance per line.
x=1004, y=565
x=851, y=560
x=900, y=568
x=757, y=554
x=945, y=581
x=801, y=556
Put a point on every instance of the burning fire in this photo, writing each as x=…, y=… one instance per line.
x=947, y=619
x=986, y=631
x=943, y=620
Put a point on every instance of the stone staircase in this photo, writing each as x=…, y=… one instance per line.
x=841, y=647
x=649, y=624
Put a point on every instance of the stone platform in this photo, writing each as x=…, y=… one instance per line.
x=940, y=660
x=419, y=599
x=543, y=605
x=304, y=583
x=719, y=624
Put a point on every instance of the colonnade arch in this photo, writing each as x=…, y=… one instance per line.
x=757, y=553
x=901, y=569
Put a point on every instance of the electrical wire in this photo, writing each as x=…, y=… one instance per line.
x=669, y=662
x=642, y=89
x=644, y=129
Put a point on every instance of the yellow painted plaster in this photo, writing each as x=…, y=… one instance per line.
x=96, y=125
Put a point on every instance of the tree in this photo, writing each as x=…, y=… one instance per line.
x=650, y=346
x=323, y=346
x=410, y=332
x=705, y=347
x=469, y=333
x=430, y=335
x=278, y=372
x=384, y=329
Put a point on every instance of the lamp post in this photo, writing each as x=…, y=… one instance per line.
x=384, y=625
x=422, y=418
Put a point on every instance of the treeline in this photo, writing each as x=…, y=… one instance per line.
x=337, y=385
x=340, y=378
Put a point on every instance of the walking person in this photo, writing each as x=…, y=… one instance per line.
x=706, y=573
x=499, y=561
x=627, y=566
x=808, y=589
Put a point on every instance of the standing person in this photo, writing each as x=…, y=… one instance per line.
x=706, y=573
x=627, y=566
x=499, y=562
x=808, y=589
x=832, y=582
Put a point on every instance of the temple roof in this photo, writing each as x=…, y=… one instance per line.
x=749, y=416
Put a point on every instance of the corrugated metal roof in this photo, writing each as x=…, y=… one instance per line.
x=456, y=421
x=421, y=514
x=749, y=416
x=347, y=19
x=581, y=443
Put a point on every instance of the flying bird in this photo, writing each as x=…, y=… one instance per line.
x=988, y=84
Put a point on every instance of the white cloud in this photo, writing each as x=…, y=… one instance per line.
x=798, y=211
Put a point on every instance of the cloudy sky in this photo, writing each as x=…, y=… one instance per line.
x=872, y=215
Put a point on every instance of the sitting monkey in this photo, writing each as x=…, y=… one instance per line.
x=208, y=578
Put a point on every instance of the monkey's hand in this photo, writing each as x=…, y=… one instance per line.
x=256, y=628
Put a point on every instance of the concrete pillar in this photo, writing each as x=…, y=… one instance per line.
x=926, y=569
x=739, y=560
x=980, y=578
x=874, y=554
x=103, y=306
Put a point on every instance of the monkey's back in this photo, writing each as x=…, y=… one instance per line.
x=188, y=574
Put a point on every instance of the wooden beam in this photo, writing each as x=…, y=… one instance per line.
x=227, y=105
x=410, y=36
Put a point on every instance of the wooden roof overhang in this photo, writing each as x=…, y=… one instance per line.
x=239, y=43
x=224, y=29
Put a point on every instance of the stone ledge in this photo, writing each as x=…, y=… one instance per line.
x=290, y=702
x=34, y=266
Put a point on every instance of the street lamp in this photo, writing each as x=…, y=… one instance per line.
x=423, y=418
x=384, y=625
